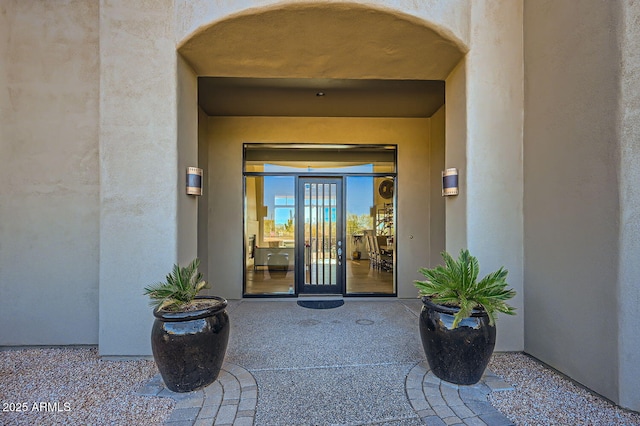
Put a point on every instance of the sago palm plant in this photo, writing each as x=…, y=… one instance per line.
x=455, y=284
x=180, y=288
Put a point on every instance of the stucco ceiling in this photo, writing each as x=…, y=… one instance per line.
x=369, y=62
x=333, y=40
x=300, y=97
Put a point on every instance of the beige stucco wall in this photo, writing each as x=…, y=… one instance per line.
x=628, y=125
x=188, y=116
x=49, y=177
x=494, y=173
x=225, y=138
x=138, y=167
x=456, y=156
x=203, y=201
x=448, y=17
x=332, y=40
x=437, y=206
x=572, y=205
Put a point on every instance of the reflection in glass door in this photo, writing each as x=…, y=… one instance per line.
x=319, y=219
x=269, y=235
x=369, y=220
x=320, y=236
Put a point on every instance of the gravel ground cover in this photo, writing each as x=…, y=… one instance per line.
x=545, y=397
x=76, y=387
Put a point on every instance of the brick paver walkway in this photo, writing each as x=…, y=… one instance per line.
x=232, y=400
x=439, y=403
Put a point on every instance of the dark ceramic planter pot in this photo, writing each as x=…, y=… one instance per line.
x=457, y=355
x=189, y=347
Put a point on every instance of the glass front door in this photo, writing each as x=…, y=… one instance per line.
x=319, y=219
x=320, y=236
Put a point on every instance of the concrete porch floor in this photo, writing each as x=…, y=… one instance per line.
x=358, y=364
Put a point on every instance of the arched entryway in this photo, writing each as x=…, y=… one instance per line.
x=259, y=74
x=149, y=111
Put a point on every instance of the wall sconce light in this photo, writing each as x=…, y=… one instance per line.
x=194, y=181
x=450, y=182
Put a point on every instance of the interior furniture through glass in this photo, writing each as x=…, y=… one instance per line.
x=319, y=219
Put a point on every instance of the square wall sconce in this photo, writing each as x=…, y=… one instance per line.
x=194, y=181
x=450, y=182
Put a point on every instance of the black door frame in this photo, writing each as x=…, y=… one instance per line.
x=304, y=248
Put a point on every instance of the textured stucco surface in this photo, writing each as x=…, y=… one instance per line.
x=225, y=138
x=494, y=175
x=450, y=18
x=138, y=166
x=327, y=44
x=629, y=193
x=187, y=157
x=571, y=198
x=49, y=214
x=437, y=203
x=203, y=201
x=456, y=156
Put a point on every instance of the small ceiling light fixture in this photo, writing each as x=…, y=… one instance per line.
x=320, y=94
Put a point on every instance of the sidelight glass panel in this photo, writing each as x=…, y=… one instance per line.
x=370, y=207
x=270, y=234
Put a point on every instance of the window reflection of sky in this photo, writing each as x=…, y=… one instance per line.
x=283, y=214
x=279, y=196
x=357, y=168
x=279, y=192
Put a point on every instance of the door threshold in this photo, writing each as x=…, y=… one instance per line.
x=309, y=296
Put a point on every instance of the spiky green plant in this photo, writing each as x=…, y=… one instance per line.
x=455, y=284
x=180, y=288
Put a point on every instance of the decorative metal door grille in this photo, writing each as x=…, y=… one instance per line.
x=321, y=228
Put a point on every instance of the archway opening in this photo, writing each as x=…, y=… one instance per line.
x=320, y=73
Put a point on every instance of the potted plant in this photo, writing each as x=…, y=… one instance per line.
x=457, y=321
x=190, y=332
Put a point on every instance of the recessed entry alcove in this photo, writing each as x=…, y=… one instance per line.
x=316, y=79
